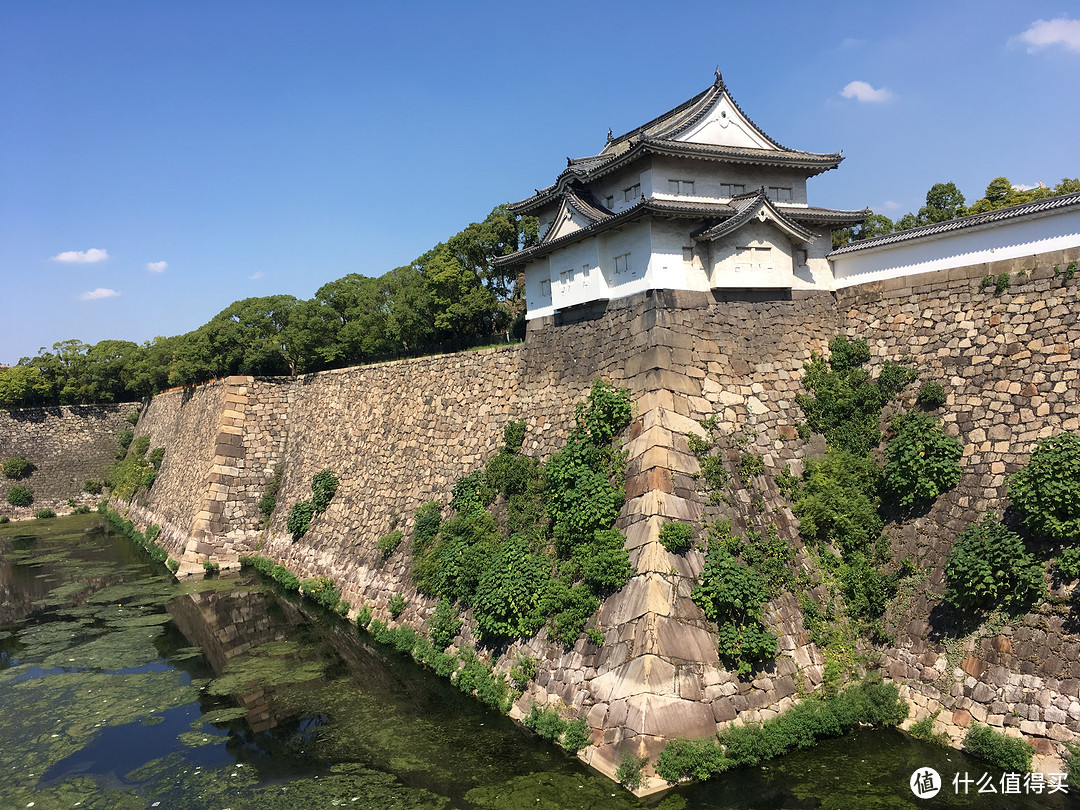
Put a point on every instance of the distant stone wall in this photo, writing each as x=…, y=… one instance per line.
x=68, y=444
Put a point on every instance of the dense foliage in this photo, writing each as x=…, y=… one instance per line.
x=20, y=496
x=572, y=735
x=1046, y=493
x=531, y=545
x=677, y=537
x=323, y=486
x=452, y=297
x=1008, y=753
x=846, y=404
x=733, y=595
x=866, y=703
x=135, y=471
x=922, y=461
x=838, y=501
x=18, y=467
x=988, y=565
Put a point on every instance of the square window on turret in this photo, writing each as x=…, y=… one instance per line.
x=622, y=264
x=732, y=189
x=545, y=289
x=631, y=194
x=681, y=187
x=780, y=193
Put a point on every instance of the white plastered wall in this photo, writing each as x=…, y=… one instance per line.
x=1055, y=230
x=756, y=256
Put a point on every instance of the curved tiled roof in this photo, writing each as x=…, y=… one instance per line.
x=794, y=216
x=1028, y=209
x=659, y=135
x=747, y=207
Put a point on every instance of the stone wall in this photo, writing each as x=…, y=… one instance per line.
x=399, y=434
x=67, y=444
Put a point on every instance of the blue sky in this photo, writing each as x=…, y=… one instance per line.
x=214, y=151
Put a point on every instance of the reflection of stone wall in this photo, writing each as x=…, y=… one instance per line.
x=227, y=625
x=68, y=444
x=400, y=433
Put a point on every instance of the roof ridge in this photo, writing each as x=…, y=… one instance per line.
x=969, y=221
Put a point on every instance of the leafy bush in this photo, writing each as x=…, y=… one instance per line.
x=152, y=532
x=396, y=605
x=157, y=455
x=426, y=526
x=1008, y=753
x=363, y=616
x=300, y=519
x=523, y=671
x=133, y=418
x=576, y=735
x=124, y=442
x=629, y=772
x=92, y=486
x=18, y=467
x=771, y=556
x=472, y=494
x=595, y=636
x=1001, y=283
x=323, y=591
x=508, y=598
x=514, y=436
x=44, y=513
x=1069, y=563
x=749, y=466
x=677, y=537
x=268, y=501
x=141, y=445
x=323, y=486
x=547, y=723
x=211, y=569
x=172, y=564
x=931, y=395
x=1046, y=493
x=389, y=542
x=924, y=730
x=5, y=519
x=846, y=403
x=20, y=496
x=81, y=509
x=922, y=461
x=866, y=703
x=988, y=565
x=732, y=594
x=445, y=624
x=837, y=502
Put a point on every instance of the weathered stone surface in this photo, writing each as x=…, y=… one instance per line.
x=669, y=717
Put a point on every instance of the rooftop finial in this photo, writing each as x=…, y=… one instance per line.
x=719, y=78
x=610, y=138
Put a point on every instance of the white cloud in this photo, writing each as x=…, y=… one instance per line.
x=891, y=205
x=1046, y=33
x=91, y=256
x=861, y=91
x=100, y=292
x=1024, y=187
x=157, y=267
x=256, y=275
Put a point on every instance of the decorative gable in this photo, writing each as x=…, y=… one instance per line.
x=724, y=124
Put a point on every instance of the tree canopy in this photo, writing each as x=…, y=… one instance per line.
x=450, y=298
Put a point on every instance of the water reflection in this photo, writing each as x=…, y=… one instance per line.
x=130, y=688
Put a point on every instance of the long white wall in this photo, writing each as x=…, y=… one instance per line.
x=1057, y=230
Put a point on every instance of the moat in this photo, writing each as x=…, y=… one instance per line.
x=122, y=688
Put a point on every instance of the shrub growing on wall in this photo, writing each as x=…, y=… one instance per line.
x=323, y=486
x=922, y=461
x=677, y=537
x=300, y=518
x=1046, y=493
x=20, y=496
x=837, y=501
x=18, y=467
x=732, y=594
x=988, y=565
x=1007, y=753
